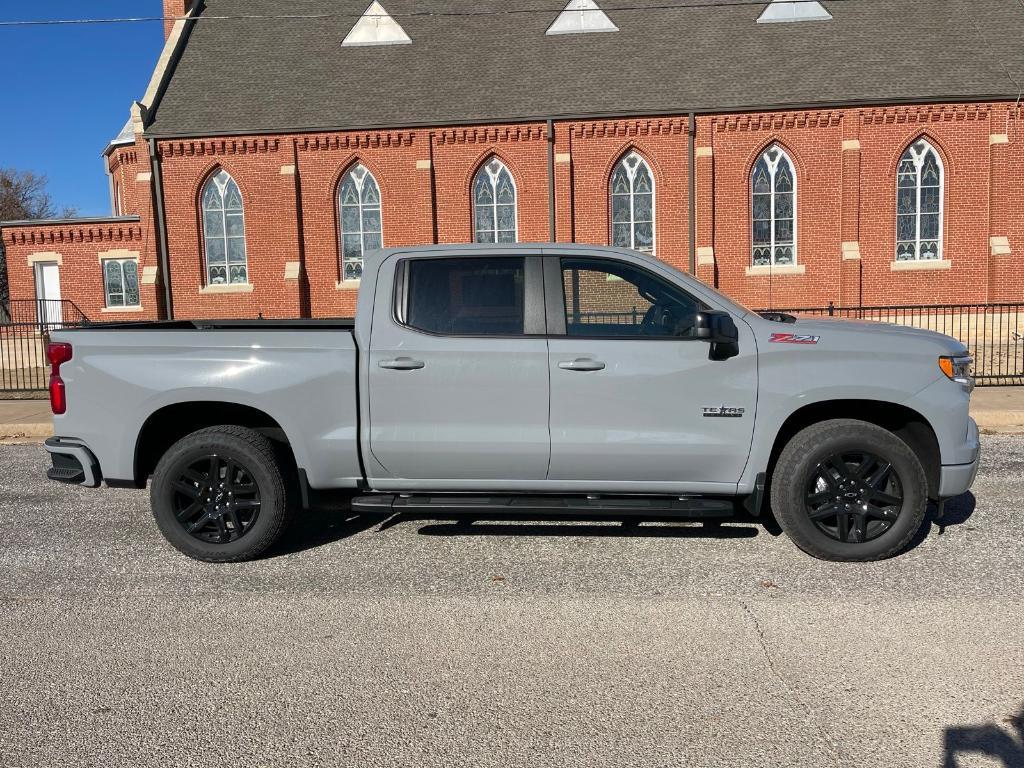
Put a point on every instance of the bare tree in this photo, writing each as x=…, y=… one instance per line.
x=23, y=195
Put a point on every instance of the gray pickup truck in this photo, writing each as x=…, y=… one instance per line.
x=521, y=379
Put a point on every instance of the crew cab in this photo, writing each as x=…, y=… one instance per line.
x=529, y=378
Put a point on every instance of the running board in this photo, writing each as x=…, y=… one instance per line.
x=465, y=504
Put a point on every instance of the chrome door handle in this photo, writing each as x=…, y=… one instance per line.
x=581, y=364
x=402, y=364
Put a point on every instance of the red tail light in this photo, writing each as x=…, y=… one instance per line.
x=57, y=354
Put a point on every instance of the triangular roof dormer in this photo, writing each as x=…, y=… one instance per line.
x=786, y=10
x=376, y=27
x=581, y=16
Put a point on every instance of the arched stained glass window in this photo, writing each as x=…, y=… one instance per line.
x=361, y=229
x=494, y=204
x=224, y=231
x=919, y=204
x=632, y=199
x=773, y=209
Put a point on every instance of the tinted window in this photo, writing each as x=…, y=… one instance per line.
x=615, y=299
x=466, y=297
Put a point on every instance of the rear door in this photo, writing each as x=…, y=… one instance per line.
x=457, y=371
x=635, y=396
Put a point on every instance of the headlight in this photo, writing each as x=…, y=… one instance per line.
x=959, y=369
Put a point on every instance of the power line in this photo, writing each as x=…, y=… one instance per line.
x=696, y=5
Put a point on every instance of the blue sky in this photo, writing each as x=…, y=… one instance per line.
x=65, y=91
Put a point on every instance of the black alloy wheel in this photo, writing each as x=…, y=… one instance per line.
x=854, y=496
x=848, y=490
x=216, y=500
x=224, y=494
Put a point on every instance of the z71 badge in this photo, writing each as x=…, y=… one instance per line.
x=724, y=412
x=793, y=338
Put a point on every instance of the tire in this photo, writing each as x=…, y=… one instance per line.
x=236, y=519
x=817, y=480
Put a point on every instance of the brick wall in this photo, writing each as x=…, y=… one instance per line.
x=845, y=162
x=1005, y=276
x=173, y=9
x=77, y=249
x=395, y=159
x=130, y=196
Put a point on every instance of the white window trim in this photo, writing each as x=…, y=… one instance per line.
x=631, y=175
x=120, y=259
x=362, y=233
x=773, y=167
x=224, y=224
x=493, y=179
x=776, y=270
x=45, y=257
x=918, y=164
x=910, y=265
x=227, y=288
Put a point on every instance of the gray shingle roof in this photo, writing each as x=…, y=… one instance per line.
x=126, y=136
x=275, y=75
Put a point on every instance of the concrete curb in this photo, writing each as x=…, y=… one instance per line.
x=1000, y=422
x=32, y=432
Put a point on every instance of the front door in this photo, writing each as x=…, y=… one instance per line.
x=457, y=370
x=634, y=395
x=48, y=292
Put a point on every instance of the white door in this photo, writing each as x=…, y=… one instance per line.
x=48, y=292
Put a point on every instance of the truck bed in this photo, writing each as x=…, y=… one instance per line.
x=301, y=374
x=330, y=324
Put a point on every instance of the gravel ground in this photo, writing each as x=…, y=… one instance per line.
x=427, y=643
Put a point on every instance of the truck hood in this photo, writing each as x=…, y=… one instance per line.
x=892, y=333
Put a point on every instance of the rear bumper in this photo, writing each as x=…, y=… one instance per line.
x=73, y=463
x=958, y=478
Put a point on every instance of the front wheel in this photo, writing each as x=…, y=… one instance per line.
x=847, y=490
x=218, y=495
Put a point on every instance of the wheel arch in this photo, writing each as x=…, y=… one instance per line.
x=904, y=422
x=167, y=425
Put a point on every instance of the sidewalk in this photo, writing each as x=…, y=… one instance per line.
x=996, y=409
x=25, y=419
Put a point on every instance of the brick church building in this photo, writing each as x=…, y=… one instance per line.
x=789, y=153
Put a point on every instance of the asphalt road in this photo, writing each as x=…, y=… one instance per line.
x=423, y=643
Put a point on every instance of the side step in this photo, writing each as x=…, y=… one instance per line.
x=464, y=504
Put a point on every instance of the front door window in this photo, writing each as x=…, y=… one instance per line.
x=612, y=299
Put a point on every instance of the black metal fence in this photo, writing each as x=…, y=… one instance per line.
x=632, y=317
x=24, y=332
x=994, y=333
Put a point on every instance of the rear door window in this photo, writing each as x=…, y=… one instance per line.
x=466, y=296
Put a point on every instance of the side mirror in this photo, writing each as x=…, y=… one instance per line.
x=720, y=330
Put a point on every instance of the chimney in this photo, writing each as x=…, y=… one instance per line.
x=173, y=9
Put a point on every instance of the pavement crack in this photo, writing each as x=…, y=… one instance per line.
x=831, y=743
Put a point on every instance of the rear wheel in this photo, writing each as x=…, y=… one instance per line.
x=218, y=495
x=848, y=490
